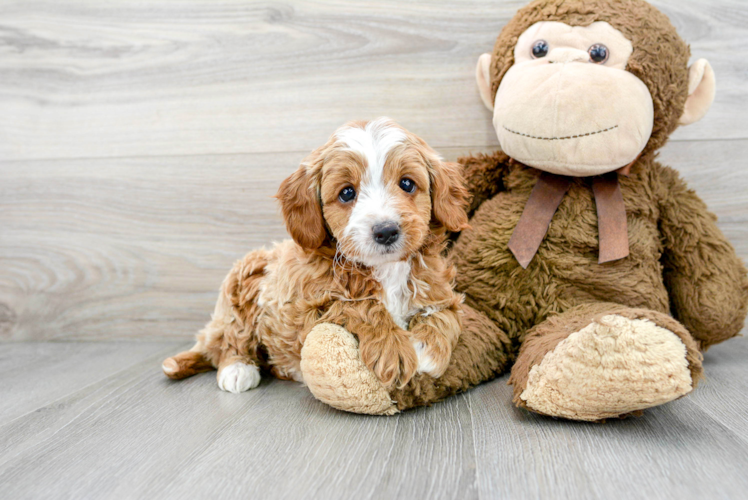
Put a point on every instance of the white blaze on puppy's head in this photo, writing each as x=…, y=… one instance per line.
x=376, y=206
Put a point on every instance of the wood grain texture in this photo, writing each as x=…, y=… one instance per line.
x=140, y=145
x=35, y=374
x=136, y=434
x=63, y=381
x=84, y=78
x=721, y=366
x=139, y=435
x=128, y=248
x=676, y=451
x=136, y=248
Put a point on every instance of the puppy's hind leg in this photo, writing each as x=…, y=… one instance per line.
x=238, y=375
x=229, y=342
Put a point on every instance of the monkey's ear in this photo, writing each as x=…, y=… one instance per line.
x=300, y=205
x=449, y=195
x=483, y=77
x=701, y=88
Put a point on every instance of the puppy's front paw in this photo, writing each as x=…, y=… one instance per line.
x=428, y=361
x=238, y=377
x=391, y=358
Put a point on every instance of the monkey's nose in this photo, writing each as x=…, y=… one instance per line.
x=386, y=233
x=567, y=55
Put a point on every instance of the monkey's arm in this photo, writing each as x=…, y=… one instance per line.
x=707, y=281
x=484, y=176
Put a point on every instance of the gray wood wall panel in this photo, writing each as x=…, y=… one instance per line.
x=135, y=248
x=83, y=78
x=140, y=145
x=128, y=248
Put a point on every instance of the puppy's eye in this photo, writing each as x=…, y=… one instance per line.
x=540, y=49
x=599, y=53
x=407, y=185
x=347, y=194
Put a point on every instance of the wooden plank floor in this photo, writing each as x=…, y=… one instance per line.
x=99, y=420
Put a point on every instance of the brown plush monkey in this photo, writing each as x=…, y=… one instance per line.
x=589, y=266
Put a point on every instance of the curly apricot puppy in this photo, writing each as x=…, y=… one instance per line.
x=368, y=213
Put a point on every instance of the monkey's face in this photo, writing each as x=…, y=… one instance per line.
x=568, y=106
x=590, y=96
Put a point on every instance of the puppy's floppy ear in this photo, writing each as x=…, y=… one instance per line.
x=300, y=204
x=449, y=196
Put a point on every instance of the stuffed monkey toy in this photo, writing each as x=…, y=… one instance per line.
x=590, y=270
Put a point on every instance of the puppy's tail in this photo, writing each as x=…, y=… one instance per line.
x=185, y=364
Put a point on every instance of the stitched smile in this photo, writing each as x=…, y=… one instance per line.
x=561, y=138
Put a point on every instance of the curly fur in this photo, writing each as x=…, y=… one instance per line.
x=273, y=298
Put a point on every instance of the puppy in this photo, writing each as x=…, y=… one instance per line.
x=368, y=213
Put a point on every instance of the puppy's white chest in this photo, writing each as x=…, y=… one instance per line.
x=394, y=278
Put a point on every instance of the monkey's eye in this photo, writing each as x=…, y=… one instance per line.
x=347, y=194
x=407, y=185
x=599, y=53
x=540, y=49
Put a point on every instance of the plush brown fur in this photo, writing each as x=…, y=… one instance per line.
x=681, y=275
x=667, y=224
x=680, y=264
x=271, y=299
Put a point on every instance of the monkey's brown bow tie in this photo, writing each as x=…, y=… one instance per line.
x=544, y=200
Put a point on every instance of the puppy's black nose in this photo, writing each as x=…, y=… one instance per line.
x=386, y=233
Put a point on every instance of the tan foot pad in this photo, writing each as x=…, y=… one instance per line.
x=333, y=371
x=609, y=368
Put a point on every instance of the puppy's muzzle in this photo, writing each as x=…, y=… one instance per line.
x=386, y=233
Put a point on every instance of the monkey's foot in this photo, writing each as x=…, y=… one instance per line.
x=612, y=367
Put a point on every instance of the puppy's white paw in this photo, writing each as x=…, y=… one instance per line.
x=426, y=363
x=239, y=377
